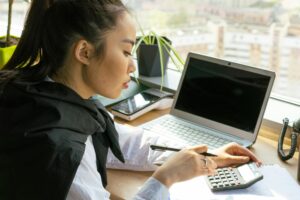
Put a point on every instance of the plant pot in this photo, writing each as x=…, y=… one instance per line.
x=149, y=60
x=6, y=52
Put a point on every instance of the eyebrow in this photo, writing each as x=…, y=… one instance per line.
x=128, y=41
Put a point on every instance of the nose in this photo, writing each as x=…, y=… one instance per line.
x=131, y=67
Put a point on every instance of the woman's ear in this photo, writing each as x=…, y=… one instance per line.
x=83, y=51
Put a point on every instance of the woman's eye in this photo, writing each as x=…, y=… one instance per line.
x=126, y=53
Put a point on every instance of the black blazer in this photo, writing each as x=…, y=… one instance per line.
x=43, y=130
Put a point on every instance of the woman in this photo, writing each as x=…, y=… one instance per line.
x=54, y=139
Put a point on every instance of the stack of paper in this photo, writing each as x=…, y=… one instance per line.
x=276, y=184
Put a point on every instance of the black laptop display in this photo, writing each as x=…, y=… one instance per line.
x=223, y=94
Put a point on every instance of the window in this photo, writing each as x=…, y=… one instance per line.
x=260, y=33
x=19, y=10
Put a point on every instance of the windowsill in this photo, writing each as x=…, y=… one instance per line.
x=276, y=109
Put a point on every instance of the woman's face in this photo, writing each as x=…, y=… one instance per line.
x=108, y=75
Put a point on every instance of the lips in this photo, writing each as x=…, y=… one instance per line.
x=126, y=84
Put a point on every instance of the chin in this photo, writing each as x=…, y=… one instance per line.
x=114, y=95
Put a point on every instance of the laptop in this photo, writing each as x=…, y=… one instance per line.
x=217, y=102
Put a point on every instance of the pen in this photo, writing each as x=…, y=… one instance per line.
x=164, y=148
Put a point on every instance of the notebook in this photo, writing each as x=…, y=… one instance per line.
x=217, y=102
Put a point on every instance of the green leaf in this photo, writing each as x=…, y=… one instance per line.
x=161, y=57
x=152, y=38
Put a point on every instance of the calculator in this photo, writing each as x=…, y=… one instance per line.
x=229, y=178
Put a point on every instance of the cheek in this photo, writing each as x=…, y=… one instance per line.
x=109, y=77
x=117, y=68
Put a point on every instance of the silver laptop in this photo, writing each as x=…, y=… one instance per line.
x=217, y=102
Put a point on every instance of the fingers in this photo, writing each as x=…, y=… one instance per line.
x=242, y=151
x=199, y=148
x=184, y=165
x=208, y=172
x=237, y=160
x=238, y=150
x=205, y=165
x=233, y=154
x=209, y=166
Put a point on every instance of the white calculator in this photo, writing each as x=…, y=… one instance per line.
x=234, y=178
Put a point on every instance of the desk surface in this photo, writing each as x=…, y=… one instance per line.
x=124, y=184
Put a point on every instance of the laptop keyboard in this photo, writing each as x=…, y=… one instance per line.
x=184, y=134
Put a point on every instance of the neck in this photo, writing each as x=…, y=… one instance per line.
x=73, y=79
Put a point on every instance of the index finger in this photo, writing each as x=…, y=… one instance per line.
x=246, y=152
x=199, y=148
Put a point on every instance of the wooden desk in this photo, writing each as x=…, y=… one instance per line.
x=124, y=184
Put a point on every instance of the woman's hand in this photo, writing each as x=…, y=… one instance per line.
x=233, y=154
x=184, y=165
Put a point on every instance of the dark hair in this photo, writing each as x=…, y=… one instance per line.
x=52, y=26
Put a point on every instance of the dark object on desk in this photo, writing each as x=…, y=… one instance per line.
x=234, y=178
x=164, y=148
x=294, y=134
x=139, y=104
x=133, y=89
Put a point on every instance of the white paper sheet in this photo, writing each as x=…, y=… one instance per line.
x=276, y=184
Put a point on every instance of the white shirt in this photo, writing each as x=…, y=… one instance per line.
x=87, y=184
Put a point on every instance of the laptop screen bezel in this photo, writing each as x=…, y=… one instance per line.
x=244, y=135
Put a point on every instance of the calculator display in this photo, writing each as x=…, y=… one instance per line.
x=246, y=173
x=135, y=103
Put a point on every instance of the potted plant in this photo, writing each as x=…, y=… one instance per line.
x=8, y=42
x=153, y=52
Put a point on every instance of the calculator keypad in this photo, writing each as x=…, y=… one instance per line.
x=225, y=177
x=230, y=178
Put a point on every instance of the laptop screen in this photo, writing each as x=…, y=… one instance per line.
x=221, y=93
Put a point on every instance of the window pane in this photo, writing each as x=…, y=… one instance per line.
x=261, y=33
x=19, y=10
